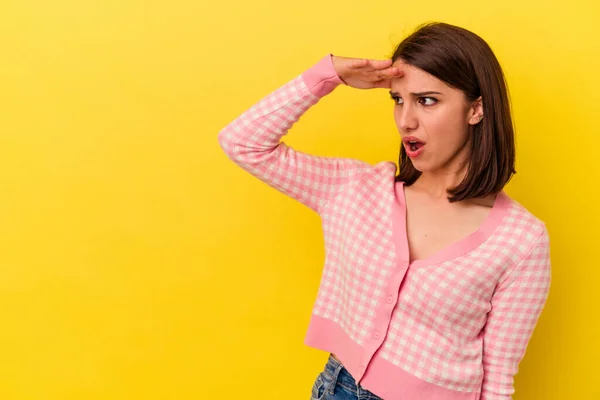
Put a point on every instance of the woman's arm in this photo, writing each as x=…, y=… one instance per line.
x=516, y=307
x=252, y=140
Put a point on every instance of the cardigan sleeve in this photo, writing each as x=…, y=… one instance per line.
x=516, y=307
x=253, y=141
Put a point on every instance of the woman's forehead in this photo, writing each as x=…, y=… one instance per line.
x=415, y=80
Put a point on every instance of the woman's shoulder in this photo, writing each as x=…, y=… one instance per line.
x=522, y=225
x=374, y=183
x=518, y=210
x=381, y=177
x=380, y=173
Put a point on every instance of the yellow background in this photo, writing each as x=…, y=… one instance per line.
x=138, y=262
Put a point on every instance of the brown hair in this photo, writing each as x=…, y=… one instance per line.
x=466, y=62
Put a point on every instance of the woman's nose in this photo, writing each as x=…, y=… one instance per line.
x=406, y=118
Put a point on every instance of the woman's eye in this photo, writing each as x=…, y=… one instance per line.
x=431, y=101
x=397, y=100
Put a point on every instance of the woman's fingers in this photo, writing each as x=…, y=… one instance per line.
x=380, y=64
x=364, y=73
x=359, y=63
x=394, y=72
x=372, y=64
x=389, y=73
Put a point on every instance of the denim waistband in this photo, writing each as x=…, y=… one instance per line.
x=339, y=374
x=333, y=366
x=342, y=378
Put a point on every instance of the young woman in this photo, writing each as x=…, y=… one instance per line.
x=434, y=278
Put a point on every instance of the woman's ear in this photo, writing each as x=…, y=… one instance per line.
x=476, y=111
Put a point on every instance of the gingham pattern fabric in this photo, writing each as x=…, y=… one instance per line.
x=360, y=255
x=452, y=299
x=462, y=324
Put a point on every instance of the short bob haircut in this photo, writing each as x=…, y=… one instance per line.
x=466, y=62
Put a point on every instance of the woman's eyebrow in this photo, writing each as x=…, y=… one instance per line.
x=417, y=94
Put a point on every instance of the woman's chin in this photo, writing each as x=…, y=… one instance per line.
x=421, y=166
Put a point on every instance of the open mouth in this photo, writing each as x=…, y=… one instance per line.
x=414, y=146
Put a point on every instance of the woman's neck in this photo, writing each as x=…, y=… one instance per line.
x=435, y=184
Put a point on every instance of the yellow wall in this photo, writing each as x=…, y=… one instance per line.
x=138, y=262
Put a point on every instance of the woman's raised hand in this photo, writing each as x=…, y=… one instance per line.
x=362, y=73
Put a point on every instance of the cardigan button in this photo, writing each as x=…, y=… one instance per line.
x=377, y=335
x=389, y=299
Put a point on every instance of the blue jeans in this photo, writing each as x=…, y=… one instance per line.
x=336, y=383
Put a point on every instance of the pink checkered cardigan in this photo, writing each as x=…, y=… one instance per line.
x=454, y=326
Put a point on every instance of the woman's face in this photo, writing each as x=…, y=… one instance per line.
x=435, y=114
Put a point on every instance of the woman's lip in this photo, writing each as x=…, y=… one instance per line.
x=411, y=153
x=408, y=139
